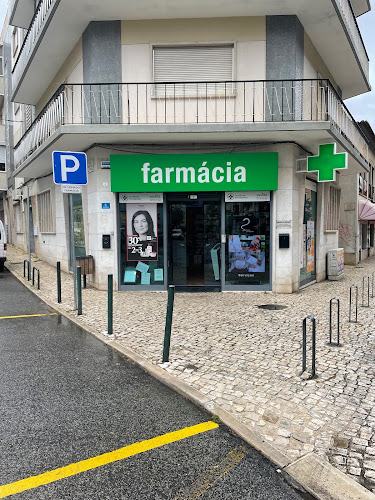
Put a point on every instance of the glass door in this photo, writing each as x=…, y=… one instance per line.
x=77, y=224
x=194, y=240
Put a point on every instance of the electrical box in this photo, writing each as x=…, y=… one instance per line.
x=335, y=264
x=283, y=240
x=106, y=241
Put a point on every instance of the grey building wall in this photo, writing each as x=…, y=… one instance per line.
x=101, y=46
x=284, y=61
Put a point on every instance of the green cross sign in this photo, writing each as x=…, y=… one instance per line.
x=327, y=162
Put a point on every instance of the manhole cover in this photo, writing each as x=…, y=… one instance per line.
x=272, y=307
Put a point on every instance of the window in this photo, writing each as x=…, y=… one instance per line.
x=2, y=167
x=332, y=209
x=193, y=63
x=45, y=213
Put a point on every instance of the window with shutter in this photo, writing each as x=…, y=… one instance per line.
x=203, y=69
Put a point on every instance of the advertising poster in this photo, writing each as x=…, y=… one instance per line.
x=141, y=232
x=310, y=245
x=303, y=249
x=247, y=253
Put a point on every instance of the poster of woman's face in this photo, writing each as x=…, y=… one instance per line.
x=141, y=232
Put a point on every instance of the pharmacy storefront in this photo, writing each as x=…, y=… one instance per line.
x=197, y=221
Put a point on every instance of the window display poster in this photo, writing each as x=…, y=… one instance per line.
x=247, y=253
x=303, y=250
x=310, y=246
x=141, y=232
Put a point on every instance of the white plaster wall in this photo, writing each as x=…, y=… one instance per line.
x=287, y=220
x=98, y=222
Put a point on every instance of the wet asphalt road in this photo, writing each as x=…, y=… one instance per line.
x=66, y=397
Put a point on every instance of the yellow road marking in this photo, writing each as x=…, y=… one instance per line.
x=204, y=482
x=106, y=458
x=27, y=315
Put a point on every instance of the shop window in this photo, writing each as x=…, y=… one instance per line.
x=196, y=63
x=331, y=221
x=364, y=236
x=142, y=249
x=248, y=243
x=45, y=213
x=2, y=167
x=371, y=235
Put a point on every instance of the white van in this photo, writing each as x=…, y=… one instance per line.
x=3, y=246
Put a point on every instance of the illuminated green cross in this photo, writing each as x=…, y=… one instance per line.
x=327, y=162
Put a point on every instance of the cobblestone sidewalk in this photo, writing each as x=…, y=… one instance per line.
x=248, y=360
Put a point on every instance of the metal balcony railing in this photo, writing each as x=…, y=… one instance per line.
x=191, y=103
x=42, y=13
x=349, y=18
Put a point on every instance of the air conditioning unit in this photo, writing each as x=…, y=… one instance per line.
x=17, y=194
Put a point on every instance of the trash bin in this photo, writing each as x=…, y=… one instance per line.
x=87, y=264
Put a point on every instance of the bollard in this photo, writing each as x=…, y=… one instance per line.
x=337, y=344
x=368, y=291
x=356, y=304
x=36, y=269
x=79, y=291
x=84, y=281
x=110, y=304
x=313, y=346
x=168, y=323
x=24, y=268
x=28, y=270
x=58, y=269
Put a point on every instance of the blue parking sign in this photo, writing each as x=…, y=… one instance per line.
x=69, y=167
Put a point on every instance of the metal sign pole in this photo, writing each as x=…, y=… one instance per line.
x=29, y=235
x=72, y=247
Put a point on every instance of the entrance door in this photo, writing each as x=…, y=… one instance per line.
x=194, y=240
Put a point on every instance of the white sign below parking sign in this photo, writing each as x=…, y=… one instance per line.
x=69, y=168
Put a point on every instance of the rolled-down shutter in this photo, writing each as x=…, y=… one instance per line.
x=196, y=63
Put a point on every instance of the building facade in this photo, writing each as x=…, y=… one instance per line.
x=206, y=138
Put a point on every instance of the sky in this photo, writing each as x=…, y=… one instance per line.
x=363, y=107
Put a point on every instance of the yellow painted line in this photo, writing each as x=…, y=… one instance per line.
x=106, y=458
x=208, y=479
x=27, y=315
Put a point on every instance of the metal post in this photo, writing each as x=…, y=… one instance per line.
x=79, y=291
x=168, y=323
x=368, y=291
x=34, y=275
x=337, y=344
x=38, y=279
x=372, y=292
x=28, y=232
x=24, y=268
x=72, y=247
x=110, y=304
x=356, y=304
x=58, y=268
x=84, y=281
x=313, y=346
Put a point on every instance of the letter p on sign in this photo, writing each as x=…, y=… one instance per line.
x=69, y=167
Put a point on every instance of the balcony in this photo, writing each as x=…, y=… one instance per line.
x=57, y=26
x=21, y=13
x=308, y=112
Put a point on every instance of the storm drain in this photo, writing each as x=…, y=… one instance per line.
x=272, y=307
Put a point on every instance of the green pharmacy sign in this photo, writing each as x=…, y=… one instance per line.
x=194, y=172
x=327, y=162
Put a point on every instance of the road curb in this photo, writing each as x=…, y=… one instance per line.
x=310, y=473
